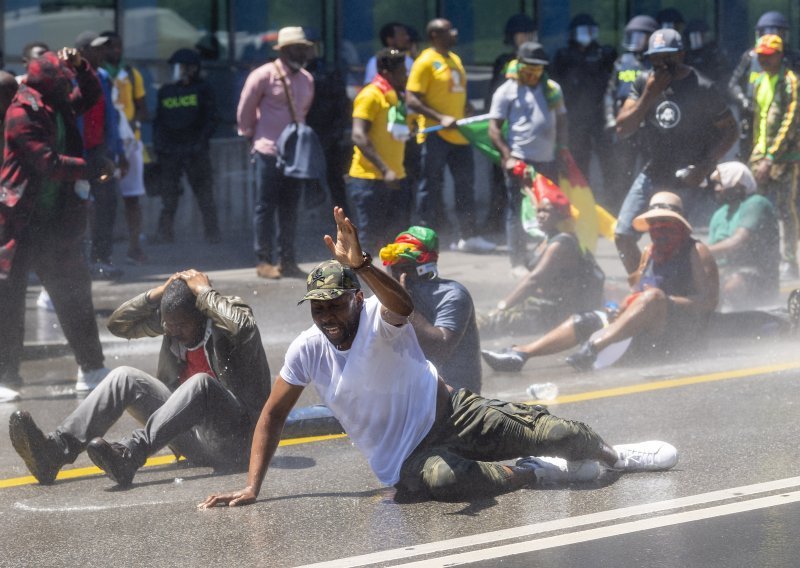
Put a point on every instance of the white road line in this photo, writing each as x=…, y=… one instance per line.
x=605, y=532
x=560, y=524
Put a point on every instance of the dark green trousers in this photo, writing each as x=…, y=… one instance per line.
x=455, y=460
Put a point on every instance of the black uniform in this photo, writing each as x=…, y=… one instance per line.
x=583, y=75
x=186, y=117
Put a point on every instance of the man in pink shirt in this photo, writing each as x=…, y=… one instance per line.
x=264, y=111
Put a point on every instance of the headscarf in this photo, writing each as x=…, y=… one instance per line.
x=416, y=245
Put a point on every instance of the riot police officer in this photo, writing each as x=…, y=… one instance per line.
x=626, y=68
x=702, y=52
x=583, y=69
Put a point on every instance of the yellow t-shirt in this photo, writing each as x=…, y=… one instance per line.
x=373, y=105
x=443, y=82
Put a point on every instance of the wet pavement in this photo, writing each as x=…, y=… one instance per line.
x=732, y=412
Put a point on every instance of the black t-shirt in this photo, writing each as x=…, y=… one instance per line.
x=679, y=129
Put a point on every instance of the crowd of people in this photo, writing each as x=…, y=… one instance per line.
x=72, y=138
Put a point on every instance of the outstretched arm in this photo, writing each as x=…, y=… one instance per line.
x=347, y=250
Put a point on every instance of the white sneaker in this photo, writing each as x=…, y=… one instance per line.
x=646, y=456
x=89, y=380
x=559, y=470
x=44, y=301
x=475, y=244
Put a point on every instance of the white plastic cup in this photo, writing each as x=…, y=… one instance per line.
x=543, y=391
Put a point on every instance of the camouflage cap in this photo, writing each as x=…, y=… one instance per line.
x=329, y=280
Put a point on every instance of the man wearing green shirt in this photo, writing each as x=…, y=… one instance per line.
x=744, y=239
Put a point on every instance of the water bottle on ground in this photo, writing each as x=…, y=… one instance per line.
x=543, y=391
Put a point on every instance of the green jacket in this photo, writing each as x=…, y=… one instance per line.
x=234, y=346
x=782, y=120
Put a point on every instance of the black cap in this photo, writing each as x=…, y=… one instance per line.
x=89, y=39
x=582, y=20
x=186, y=56
x=532, y=53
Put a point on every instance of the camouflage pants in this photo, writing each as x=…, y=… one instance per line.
x=533, y=315
x=781, y=189
x=454, y=462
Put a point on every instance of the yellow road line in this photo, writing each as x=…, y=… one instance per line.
x=154, y=461
x=671, y=383
x=566, y=399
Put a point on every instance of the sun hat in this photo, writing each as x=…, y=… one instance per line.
x=663, y=205
x=292, y=35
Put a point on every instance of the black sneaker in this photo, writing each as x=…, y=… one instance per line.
x=114, y=459
x=507, y=361
x=794, y=309
x=583, y=359
x=41, y=453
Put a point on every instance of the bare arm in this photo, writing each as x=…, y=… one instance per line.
x=416, y=103
x=395, y=300
x=361, y=139
x=497, y=138
x=540, y=276
x=726, y=246
x=266, y=437
x=633, y=112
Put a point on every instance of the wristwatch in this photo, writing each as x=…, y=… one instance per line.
x=365, y=263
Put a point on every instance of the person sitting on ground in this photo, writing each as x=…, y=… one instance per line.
x=674, y=292
x=444, y=315
x=213, y=379
x=417, y=433
x=744, y=238
x=562, y=278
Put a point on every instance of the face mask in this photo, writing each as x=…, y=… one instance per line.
x=178, y=72
x=696, y=40
x=584, y=35
x=635, y=41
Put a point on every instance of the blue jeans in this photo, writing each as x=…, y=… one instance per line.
x=380, y=211
x=436, y=154
x=638, y=200
x=275, y=218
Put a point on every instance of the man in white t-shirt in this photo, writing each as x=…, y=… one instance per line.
x=416, y=431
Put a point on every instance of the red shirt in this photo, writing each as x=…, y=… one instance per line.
x=196, y=362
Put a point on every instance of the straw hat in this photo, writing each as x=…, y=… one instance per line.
x=663, y=205
x=292, y=35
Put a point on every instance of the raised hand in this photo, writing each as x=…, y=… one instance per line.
x=347, y=248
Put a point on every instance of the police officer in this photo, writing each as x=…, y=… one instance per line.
x=583, y=69
x=702, y=52
x=186, y=117
x=626, y=68
x=670, y=18
x=740, y=85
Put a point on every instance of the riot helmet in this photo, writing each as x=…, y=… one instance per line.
x=696, y=35
x=773, y=23
x=637, y=33
x=670, y=18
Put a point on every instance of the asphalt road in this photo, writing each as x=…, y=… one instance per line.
x=732, y=500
